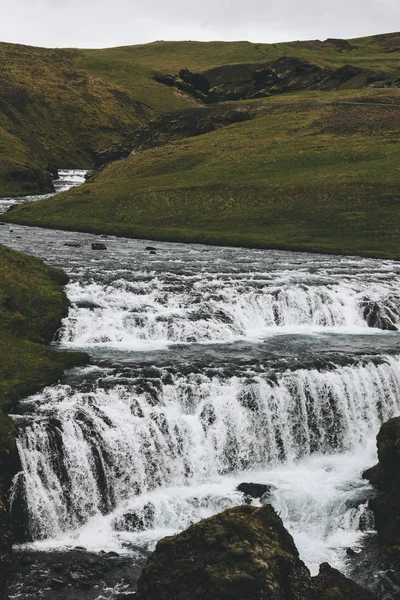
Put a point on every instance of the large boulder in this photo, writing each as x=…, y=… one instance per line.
x=385, y=476
x=242, y=553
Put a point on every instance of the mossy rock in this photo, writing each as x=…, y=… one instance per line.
x=242, y=553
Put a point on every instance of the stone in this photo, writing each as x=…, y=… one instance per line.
x=152, y=252
x=150, y=248
x=244, y=553
x=332, y=584
x=254, y=490
x=385, y=476
x=98, y=246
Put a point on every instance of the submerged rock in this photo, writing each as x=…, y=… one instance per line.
x=242, y=553
x=98, y=246
x=385, y=476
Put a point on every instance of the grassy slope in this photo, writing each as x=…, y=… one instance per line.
x=32, y=304
x=52, y=112
x=307, y=175
x=59, y=106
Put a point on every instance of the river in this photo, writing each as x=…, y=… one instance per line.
x=211, y=366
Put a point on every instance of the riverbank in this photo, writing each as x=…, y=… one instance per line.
x=304, y=176
x=32, y=304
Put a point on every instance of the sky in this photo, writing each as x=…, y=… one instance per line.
x=105, y=23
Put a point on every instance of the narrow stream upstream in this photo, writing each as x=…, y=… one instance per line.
x=211, y=366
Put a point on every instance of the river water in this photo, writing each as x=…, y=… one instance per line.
x=211, y=366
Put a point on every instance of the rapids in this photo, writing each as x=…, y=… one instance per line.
x=210, y=366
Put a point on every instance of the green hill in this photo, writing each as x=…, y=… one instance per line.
x=58, y=107
x=287, y=145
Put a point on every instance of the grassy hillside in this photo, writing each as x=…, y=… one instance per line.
x=54, y=114
x=318, y=175
x=59, y=107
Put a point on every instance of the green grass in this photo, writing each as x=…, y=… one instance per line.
x=32, y=304
x=60, y=106
x=304, y=176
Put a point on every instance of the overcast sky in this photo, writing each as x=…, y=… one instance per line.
x=104, y=23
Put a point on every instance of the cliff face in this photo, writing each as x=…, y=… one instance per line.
x=32, y=304
x=244, y=552
x=385, y=476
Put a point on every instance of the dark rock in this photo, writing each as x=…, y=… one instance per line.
x=87, y=304
x=98, y=246
x=53, y=170
x=255, y=490
x=350, y=552
x=254, y=80
x=136, y=520
x=377, y=317
x=242, y=553
x=385, y=476
x=330, y=583
x=152, y=252
x=150, y=248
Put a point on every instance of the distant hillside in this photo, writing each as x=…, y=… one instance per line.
x=61, y=107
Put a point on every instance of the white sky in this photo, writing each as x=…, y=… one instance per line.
x=104, y=23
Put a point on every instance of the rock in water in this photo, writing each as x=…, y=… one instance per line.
x=332, y=584
x=98, y=246
x=244, y=553
x=386, y=477
x=255, y=490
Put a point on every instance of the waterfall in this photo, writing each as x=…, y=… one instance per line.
x=87, y=451
x=210, y=367
x=201, y=308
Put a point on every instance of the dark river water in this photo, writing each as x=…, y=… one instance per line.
x=211, y=366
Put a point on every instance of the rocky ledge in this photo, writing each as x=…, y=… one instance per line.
x=244, y=552
x=385, y=476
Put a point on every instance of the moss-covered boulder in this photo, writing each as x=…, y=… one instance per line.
x=385, y=476
x=242, y=553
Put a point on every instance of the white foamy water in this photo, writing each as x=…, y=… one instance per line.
x=143, y=459
x=220, y=309
x=67, y=178
x=212, y=366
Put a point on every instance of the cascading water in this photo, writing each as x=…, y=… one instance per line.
x=211, y=366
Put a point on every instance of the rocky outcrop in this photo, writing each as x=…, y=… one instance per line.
x=244, y=552
x=255, y=80
x=385, y=476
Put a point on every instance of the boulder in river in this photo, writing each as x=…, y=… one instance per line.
x=98, y=246
x=254, y=490
x=385, y=476
x=242, y=553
